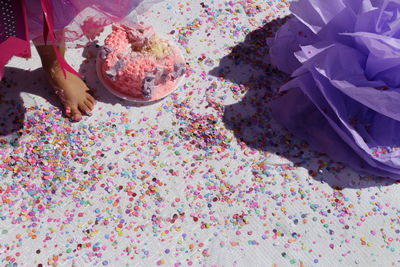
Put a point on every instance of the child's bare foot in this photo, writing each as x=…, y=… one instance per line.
x=72, y=92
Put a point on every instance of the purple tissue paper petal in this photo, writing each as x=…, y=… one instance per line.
x=346, y=80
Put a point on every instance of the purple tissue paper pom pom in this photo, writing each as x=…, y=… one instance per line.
x=344, y=98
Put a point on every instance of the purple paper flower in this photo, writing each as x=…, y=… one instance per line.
x=344, y=98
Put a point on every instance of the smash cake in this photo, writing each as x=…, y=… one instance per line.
x=138, y=65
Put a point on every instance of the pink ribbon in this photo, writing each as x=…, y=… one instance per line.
x=48, y=31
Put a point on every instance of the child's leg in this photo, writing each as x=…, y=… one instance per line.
x=72, y=90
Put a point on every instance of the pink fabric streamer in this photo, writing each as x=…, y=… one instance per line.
x=48, y=30
x=61, y=20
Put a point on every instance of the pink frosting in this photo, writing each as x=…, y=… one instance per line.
x=135, y=73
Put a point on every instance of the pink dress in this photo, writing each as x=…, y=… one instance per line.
x=24, y=20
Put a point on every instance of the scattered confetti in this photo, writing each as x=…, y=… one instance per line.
x=205, y=177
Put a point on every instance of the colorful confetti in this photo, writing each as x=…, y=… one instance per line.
x=205, y=177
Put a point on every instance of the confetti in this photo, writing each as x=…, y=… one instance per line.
x=205, y=177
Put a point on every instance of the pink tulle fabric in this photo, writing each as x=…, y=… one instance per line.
x=61, y=21
x=84, y=18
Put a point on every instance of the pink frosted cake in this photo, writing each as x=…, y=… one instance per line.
x=136, y=64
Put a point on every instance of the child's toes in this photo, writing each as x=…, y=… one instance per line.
x=75, y=114
x=85, y=109
x=91, y=99
x=89, y=104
